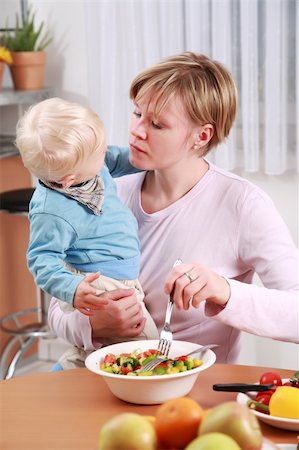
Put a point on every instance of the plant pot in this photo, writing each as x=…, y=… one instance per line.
x=28, y=70
x=1, y=73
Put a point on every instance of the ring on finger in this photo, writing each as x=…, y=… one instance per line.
x=189, y=276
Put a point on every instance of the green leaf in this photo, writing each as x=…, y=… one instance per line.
x=27, y=37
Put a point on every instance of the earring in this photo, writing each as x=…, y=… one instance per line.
x=195, y=147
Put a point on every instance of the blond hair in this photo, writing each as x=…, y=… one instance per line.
x=55, y=136
x=205, y=87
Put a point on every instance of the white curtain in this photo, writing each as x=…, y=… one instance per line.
x=255, y=39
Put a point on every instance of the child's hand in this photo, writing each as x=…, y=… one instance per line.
x=86, y=299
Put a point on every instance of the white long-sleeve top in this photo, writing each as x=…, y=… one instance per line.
x=231, y=226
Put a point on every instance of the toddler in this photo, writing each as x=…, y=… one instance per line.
x=78, y=225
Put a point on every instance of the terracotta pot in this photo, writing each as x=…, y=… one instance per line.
x=1, y=73
x=28, y=70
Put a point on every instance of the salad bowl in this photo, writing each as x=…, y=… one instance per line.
x=152, y=389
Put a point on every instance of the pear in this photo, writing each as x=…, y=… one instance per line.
x=213, y=441
x=235, y=420
x=127, y=431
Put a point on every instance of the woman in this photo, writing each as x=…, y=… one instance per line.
x=222, y=227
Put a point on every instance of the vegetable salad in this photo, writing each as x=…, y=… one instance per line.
x=130, y=363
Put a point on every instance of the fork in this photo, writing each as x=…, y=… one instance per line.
x=155, y=362
x=165, y=340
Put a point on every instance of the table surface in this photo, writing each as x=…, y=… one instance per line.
x=65, y=410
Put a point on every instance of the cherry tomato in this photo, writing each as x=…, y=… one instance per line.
x=271, y=378
x=263, y=397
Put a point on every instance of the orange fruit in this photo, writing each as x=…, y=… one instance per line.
x=177, y=422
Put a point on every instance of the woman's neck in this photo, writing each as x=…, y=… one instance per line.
x=161, y=188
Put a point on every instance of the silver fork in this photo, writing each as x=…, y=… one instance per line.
x=200, y=351
x=166, y=333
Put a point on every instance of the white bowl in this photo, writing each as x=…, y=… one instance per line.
x=149, y=390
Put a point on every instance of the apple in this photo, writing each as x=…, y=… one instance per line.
x=235, y=420
x=213, y=441
x=127, y=431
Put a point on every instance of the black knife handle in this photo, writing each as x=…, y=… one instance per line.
x=242, y=387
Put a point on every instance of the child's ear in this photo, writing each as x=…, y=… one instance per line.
x=68, y=180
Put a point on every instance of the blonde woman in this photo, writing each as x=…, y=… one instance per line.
x=221, y=226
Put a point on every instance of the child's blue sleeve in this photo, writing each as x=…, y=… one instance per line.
x=50, y=237
x=117, y=161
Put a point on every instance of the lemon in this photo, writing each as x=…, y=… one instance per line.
x=285, y=402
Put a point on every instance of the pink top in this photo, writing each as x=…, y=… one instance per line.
x=231, y=226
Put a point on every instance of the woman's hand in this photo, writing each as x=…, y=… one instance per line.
x=194, y=283
x=122, y=316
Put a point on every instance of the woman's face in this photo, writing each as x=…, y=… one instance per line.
x=163, y=142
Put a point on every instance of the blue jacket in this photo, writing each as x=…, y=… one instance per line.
x=63, y=230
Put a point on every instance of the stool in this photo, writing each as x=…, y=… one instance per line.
x=23, y=335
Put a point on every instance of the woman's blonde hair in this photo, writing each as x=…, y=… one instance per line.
x=205, y=87
x=55, y=136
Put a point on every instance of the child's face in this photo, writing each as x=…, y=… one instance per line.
x=91, y=166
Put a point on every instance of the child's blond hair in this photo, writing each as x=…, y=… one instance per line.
x=55, y=136
x=206, y=88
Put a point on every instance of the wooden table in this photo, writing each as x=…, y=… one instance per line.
x=65, y=410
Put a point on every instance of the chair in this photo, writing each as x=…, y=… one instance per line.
x=27, y=325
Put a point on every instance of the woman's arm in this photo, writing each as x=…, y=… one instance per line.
x=121, y=317
x=264, y=246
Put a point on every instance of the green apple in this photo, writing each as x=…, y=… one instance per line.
x=213, y=441
x=127, y=431
x=235, y=420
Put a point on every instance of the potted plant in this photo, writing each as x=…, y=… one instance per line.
x=27, y=46
x=5, y=58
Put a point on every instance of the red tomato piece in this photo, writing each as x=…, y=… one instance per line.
x=263, y=397
x=182, y=358
x=125, y=370
x=271, y=378
x=292, y=382
x=163, y=364
x=111, y=359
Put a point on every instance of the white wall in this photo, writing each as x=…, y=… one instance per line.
x=66, y=71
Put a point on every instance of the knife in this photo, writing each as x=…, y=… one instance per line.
x=242, y=387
